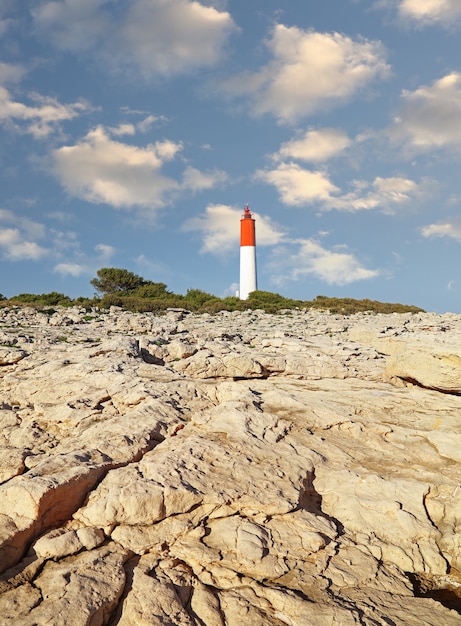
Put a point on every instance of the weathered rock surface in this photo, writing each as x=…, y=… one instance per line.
x=242, y=468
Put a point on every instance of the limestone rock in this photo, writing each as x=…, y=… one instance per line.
x=76, y=591
x=11, y=463
x=10, y=356
x=207, y=365
x=432, y=364
x=240, y=468
x=59, y=543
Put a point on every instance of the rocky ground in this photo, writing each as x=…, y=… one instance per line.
x=230, y=470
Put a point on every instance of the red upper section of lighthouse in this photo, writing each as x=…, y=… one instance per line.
x=247, y=229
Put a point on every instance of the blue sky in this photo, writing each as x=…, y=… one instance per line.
x=133, y=133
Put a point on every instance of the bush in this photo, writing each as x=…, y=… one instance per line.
x=45, y=299
x=196, y=299
x=348, y=306
x=87, y=303
x=140, y=305
x=214, y=306
x=152, y=290
x=270, y=302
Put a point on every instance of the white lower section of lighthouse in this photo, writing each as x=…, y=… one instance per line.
x=248, y=281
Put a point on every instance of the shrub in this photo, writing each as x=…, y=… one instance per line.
x=152, y=290
x=348, y=306
x=270, y=302
x=196, y=299
x=140, y=305
x=44, y=299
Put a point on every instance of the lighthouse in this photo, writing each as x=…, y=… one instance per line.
x=248, y=282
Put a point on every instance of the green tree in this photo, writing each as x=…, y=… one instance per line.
x=116, y=280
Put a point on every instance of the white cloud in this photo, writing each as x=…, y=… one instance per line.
x=430, y=116
x=309, y=71
x=156, y=36
x=385, y=194
x=148, y=119
x=74, y=25
x=312, y=259
x=430, y=11
x=315, y=145
x=105, y=251
x=195, y=180
x=171, y=36
x=146, y=124
x=219, y=227
x=15, y=247
x=123, y=129
x=11, y=73
x=41, y=119
x=301, y=187
x=29, y=228
x=69, y=269
x=81, y=264
x=450, y=229
x=101, y=170
x=297, y=186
